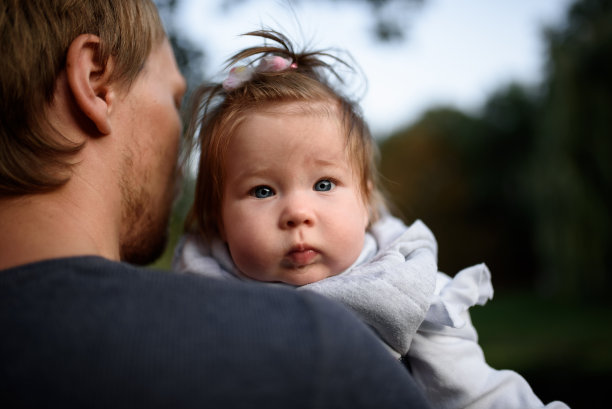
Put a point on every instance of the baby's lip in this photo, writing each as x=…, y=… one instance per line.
x=301, y=255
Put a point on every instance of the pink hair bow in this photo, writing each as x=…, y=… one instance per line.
x=270, y=63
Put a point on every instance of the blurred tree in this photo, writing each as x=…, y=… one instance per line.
x=426, y=179
x=526, y=184
x=500, y=179
x=465, y=177
x=572, y=166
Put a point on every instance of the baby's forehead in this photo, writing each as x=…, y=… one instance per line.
x=324, y=108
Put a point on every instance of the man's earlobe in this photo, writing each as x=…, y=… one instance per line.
x=88, y=80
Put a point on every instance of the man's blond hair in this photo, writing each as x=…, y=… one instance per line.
x=36, y=35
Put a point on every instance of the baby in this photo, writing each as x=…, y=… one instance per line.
x=287, y=194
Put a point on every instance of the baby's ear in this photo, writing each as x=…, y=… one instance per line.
x=88, y=79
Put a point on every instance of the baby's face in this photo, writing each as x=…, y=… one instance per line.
x=292, y=208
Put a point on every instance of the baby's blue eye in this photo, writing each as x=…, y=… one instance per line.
x=324, y=185
x=262, y=192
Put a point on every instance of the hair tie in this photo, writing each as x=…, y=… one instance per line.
x=271, y=63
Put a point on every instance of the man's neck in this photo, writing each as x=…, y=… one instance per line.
x=51, y=225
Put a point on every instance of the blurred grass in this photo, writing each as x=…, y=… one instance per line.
x=562, y=349
x=524, y=331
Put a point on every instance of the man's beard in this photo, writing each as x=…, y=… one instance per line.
x=145, y=221
x=144, y=233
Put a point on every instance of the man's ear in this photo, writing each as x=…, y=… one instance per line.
x=88, y=80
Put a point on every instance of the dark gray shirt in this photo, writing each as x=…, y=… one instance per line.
x=88, y=332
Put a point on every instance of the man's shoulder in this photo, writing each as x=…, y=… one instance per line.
x=100, y=331
x=111, y=304
x=88, y=281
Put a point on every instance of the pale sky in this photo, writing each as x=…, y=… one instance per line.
x=457, y=51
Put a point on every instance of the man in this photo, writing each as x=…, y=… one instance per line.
x=89, y=130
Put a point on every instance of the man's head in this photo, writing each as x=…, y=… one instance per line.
x=36, y=35
x=148, y=119
x=90, y=98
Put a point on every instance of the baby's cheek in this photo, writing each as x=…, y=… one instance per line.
x=241, y=257
x=252, y=257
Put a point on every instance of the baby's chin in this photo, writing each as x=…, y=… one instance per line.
x=297, y=277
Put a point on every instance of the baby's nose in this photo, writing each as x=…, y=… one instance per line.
x=296, y=214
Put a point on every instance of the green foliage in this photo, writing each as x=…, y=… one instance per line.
x=515, y=331
x=563, y=351
x=464, y=176
x=572, y=169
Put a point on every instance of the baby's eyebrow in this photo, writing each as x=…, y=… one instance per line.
x=320, y=161
x=336, y=164
x=254, y=170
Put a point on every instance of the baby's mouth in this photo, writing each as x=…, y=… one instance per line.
x=300, y=256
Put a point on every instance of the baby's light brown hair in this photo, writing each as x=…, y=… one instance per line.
x=217, y=112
